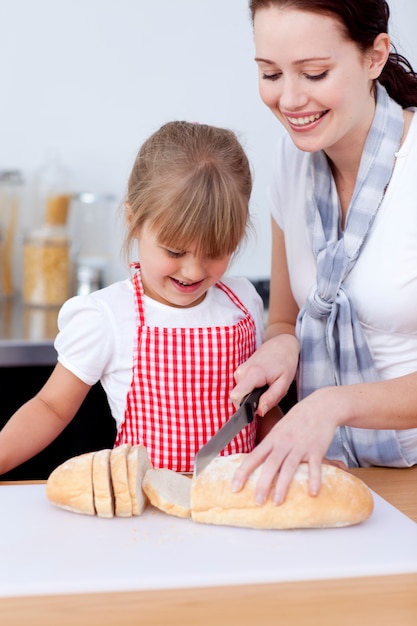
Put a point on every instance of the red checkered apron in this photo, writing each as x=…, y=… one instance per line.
x=179, y=394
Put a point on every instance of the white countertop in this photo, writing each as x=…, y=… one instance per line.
x=47, y=550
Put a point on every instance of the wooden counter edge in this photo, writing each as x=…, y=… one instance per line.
x=384, y=600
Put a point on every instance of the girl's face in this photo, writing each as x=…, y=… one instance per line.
x=176, y=277
x=315, y=81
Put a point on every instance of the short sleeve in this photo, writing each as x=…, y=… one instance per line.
x=85, y=339
x=287, y=188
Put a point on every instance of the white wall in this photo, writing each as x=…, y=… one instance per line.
x=93, y=78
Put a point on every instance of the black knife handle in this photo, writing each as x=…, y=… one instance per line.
x=251, y=402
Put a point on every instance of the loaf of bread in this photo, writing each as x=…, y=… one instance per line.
x=70, y=485
x=105, y=483
x=343, y=499
x=168, y=491
x=138, y=464
x=103, y=495
x=120, y=482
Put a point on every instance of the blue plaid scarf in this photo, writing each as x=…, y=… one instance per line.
x=334, y=350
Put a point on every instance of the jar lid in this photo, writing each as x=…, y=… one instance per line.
x=91, y=197
x=13, y=177
x=88, y=273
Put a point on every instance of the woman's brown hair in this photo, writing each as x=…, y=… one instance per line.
x=363, y=21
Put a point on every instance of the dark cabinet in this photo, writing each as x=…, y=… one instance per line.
x=92, y=428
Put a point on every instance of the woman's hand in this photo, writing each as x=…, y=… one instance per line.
x=274, y=364
x=302, y=435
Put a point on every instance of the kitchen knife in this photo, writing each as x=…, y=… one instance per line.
x=243, y=416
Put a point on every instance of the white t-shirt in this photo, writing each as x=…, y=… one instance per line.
x=383, y=282
x=97, y=331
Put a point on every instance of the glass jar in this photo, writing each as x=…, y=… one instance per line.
x=46, y=266
x=10, y=195
x=92, y=228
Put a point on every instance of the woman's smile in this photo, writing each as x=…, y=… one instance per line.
x=304, y=122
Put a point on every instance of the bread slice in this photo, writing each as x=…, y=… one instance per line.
x=343, y=499
x=168, y=491
x=138, y=464
x=120, y=481
x=102, y=484
x=70, y=485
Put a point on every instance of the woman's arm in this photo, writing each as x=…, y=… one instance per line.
x=40, y=420
x=275, y=362
x=306, y=431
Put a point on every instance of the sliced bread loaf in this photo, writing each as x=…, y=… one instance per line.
x=168, y=491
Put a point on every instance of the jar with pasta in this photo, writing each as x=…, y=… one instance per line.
x=47, y=263
x=11, y=182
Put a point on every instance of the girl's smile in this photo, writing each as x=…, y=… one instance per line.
x=185, y=287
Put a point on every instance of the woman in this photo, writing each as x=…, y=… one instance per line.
x=343, y=305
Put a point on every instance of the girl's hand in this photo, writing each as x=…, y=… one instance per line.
x=274, y=363
x=302, y=435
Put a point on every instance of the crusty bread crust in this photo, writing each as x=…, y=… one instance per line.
x=168, y=491
x=102, y=484
x=343, y=499
x=120, y=481
x=70, y=485
x=138, y=464
x=106, y=482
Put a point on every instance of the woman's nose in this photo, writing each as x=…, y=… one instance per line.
x=292, y=95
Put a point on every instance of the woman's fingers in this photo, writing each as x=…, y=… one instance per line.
x=254, y=378
x=247, y=377
x=250, y=463
x=269, y=475
x=314, y=472
x=277, y=472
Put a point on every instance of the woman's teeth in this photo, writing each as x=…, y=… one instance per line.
x=303, y=121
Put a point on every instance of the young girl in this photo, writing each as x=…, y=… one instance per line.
x=164, y=343
x=342, y=315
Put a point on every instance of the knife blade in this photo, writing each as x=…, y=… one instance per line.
x=243, y=416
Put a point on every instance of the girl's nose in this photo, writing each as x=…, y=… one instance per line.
x=192, y=268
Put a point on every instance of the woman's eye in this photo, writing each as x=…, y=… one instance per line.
x=270, y=76
x=315, y=77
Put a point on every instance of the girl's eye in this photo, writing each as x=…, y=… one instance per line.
x=174, y=254
x=314, y=77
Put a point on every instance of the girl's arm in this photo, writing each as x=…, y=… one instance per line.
x=40, y=420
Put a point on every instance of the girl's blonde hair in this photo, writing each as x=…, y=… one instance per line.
x=191, y=184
